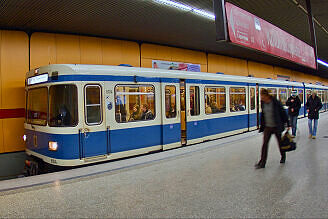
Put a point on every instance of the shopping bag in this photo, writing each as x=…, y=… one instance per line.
x=287, y=143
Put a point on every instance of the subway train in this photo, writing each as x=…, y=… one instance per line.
x=82, y=114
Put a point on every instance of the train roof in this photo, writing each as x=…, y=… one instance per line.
x=81, y=69
x=315, y=86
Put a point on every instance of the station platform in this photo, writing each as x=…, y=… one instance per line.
x=214, y=179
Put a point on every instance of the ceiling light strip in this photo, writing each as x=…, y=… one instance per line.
x=322, y=62
x=186, y=8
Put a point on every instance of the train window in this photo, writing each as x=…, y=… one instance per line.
x=300, y=95
x=252, y=98
x=283, y=96
x=237, y=99
x=170, y=101
x=321, y=95
x=63, y=105
x=194, y=101
x=215, y=100
x=37, y=106
x=93, y=108
x=134, y=103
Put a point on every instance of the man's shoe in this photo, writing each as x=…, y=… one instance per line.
x=293, y=136
x=259, y=166
x=310, y=136
x=313, y=137
x=283, y=160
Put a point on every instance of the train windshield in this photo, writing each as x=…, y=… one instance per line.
x=63, y=105
x=37, y=102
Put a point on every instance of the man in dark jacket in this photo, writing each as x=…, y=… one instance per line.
x=146, y=113
x=313, y=105
x=273, y=119
x=294, y=106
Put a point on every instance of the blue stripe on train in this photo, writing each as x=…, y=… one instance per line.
x=252, y=120
x=120, y=140
x=68, y=145
x=112, y=78
x=132, y=138
x=202, y=128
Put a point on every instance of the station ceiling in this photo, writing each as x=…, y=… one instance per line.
x=152, y=22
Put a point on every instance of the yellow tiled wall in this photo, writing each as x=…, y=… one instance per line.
x=227, y=65
x=13, y=66
x=48, y=48
x=260, y=70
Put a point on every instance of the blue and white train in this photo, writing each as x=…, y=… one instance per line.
x=82, y=114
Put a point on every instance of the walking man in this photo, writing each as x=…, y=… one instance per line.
x=273, y=119
x=294, y=106
x=313, y=105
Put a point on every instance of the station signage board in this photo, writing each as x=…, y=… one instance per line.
x=247, y=30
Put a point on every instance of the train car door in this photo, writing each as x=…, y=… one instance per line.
x=183, y=110
x=252, y=108
x=94, y=135
x=171, y=120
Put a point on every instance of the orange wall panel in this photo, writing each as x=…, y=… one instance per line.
x=130, y=53
x=14, y=65
x=13, y=134
x=150, y=51
x=91, y=51
x=227, y=65
x=146, y=63
x=43, y=49
x=117, y=52
x=68, y=49
x=60, y=48
x=282, y=71
x=260, y=70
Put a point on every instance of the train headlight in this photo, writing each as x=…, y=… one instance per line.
x=24, y=138
x=53, y=146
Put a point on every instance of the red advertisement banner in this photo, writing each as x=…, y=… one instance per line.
x=250, y=31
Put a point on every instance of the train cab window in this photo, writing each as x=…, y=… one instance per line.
x=37, y=106
x=134, y=103
x=170, y=101
x=93, y=108
x=215, y=100
x=283, y=96
x=252, y=98
x=194, y=101
x=237, y=99
x=63, y=109
x=300, y=95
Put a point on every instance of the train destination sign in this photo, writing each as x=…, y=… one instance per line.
x=37, y=79
x=247, y=30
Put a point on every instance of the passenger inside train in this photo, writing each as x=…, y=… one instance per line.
x=146, y=112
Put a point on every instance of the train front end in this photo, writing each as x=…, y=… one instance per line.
x=51, y=124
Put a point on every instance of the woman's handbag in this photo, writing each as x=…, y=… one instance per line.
x=287, y=143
